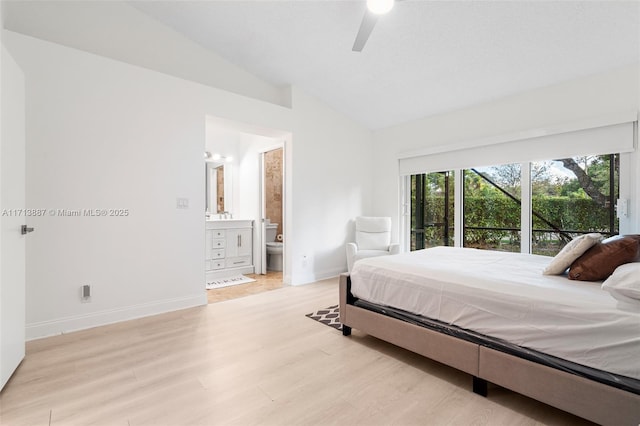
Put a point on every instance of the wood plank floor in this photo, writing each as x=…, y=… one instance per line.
x=252, y=360
x=270, y=281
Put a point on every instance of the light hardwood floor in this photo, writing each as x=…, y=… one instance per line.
x=252, y=360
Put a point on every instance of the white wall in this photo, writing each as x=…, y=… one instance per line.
x=102, y=134
x=222, y=141
x=582, y=99
x=332, y=183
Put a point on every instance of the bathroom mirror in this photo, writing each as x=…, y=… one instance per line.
x=218, y=188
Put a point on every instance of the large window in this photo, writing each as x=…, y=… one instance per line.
x=492, y=208
x=432, y=210
x=562, y=197
x=573, y=196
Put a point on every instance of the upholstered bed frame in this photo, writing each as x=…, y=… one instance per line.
x=581, y=396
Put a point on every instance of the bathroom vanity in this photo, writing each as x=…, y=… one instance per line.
x=229, y=248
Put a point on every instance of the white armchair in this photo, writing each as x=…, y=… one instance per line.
x=373, y=238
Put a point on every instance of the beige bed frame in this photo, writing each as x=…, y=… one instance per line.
x=586, y=398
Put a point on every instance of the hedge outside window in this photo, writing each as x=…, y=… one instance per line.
x=569, y=197
x=492, y=208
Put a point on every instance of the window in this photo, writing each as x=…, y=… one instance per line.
x=564, y=198
x=492, y=208
x=432, y=210
x=573, y=196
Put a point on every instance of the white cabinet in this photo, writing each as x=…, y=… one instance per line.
x=239, y=247
x=229, y=248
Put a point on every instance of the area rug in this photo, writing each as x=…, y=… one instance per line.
x=329, y=316
x=226, y=282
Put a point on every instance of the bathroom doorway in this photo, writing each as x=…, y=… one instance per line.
x=269, y=270
x=272, y=210
x=240, y=148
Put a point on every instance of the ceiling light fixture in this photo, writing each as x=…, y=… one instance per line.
x=379, y=7
x=208, y=156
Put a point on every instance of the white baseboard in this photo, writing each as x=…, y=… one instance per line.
x=329, y=273
x=81, y=322
x=319, y=276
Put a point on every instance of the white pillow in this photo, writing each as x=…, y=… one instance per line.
x=624, y=283
x=571, y=252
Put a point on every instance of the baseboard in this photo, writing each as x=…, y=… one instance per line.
x=318, y=276
x=331, y=273
x=81, y=322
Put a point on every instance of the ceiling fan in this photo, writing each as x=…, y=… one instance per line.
x=375, y=8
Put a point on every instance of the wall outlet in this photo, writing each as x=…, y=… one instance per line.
x=85, y=293
x=305, y=261
x=182, y=203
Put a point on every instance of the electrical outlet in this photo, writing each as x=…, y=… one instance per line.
x=85, y=293
x=304, y=261
x=182, y=203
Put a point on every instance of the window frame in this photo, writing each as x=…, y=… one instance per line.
x=625, y=181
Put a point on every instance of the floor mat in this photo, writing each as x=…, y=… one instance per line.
x=226, y=282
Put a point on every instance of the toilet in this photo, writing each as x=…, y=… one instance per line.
x=274, y=248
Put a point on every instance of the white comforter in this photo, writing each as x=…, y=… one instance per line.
x=505, y=295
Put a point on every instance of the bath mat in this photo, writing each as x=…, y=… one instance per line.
x=229, y=281
x=329, y=316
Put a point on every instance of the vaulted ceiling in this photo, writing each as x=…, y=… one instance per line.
x=423, y=58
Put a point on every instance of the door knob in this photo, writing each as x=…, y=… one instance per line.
x=25, y=230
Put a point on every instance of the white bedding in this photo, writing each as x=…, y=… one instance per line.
x=505, y=295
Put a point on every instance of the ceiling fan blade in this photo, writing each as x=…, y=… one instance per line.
x=368, y=22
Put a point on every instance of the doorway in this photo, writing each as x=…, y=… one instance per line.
x=272, y=210
x=254, y=191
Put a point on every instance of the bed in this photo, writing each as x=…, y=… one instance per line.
x=495, y=316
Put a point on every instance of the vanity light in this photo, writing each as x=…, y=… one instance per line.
x=217, y=157
x=379, y=7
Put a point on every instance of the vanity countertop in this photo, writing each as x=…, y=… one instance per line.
x=228, y=223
